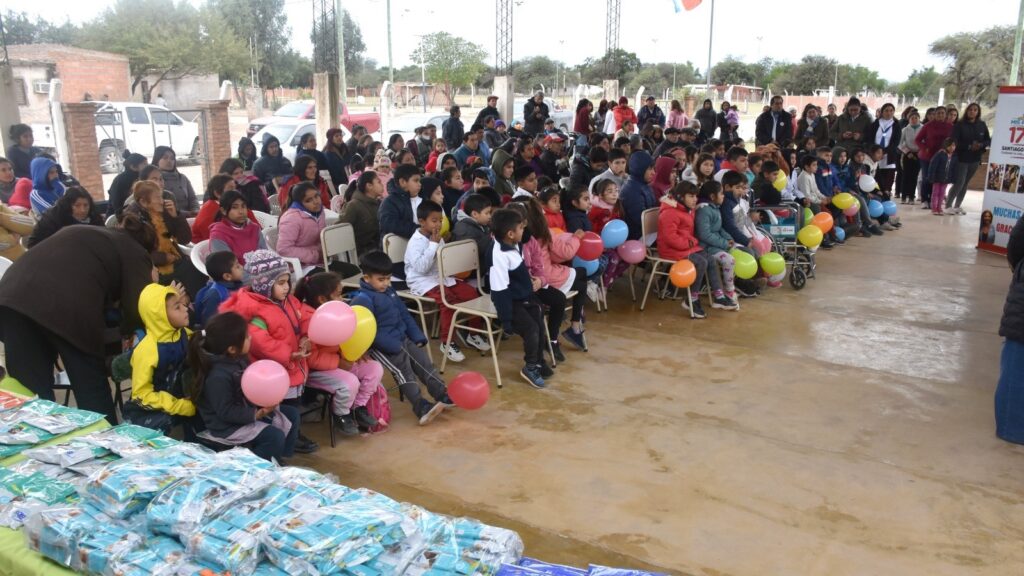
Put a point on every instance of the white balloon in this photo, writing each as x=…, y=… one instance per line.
x=867, y=183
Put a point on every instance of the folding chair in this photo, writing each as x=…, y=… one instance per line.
x=340, y=240
x=323, y=407
x=326, y=175
x=394, y=247
x=649, y=226
x=456, y=258
x=330, y=216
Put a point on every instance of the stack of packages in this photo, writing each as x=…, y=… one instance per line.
x=532, y=567
x=26, y=423
x=185, y=510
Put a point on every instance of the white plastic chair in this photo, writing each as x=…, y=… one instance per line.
x=330, y=216
x=326, y=175
x=111, y=221
x=296, y=267
x=266, y=221
x=4, y=265
x=198, y=255
x=270, y=235
x=340, y=240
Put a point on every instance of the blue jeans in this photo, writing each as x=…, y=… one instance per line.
x=1010, y=393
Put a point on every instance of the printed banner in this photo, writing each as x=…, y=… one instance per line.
x=1004, y=180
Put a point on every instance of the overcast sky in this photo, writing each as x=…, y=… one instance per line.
x=891, y=36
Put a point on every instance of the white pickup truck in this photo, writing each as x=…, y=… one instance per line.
x=132, y=126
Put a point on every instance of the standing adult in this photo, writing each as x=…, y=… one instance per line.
x=677, y=117
x=452, y=130
x=535, y=113
x=722, y=121
x=972, y=138
x=22, y=151
x=337, y=155
x=850, y=129
x=623, y=112
x=599, y=115
x=929, y=141
x=490, y=110
x=885, y=132
x=774, y=125
x=706, y=117
x=650, y=112
x=831, y=117
x=83, y=271
x=1009, y=398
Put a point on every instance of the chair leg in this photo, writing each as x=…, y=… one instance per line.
x=451, y=333
x=494, y=349
x=632, y=288
x=647, y=291
x=423, y=324
x=551, y=348
x=689, y=301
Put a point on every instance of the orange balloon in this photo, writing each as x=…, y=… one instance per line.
x=464, y=275
x=682, y=274
x=823, y=220
x=556, y=231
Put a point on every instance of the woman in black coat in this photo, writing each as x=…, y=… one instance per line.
x=1010, y=390
x=121, y=187
x=56, y=299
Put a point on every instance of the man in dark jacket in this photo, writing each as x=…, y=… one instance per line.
x=652, y=112
x=535, y=112
x=775, y=125
x=551, y=158
x=452, y=130
x=706, y=117
x=670, y=142
x=585, y=168
x=490, y=110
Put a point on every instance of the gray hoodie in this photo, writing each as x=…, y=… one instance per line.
x=184, y=196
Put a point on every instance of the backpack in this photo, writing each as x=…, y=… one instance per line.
x=379, y=406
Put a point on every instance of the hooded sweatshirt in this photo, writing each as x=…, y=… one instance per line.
x=45, y=192
x=676, y=237
x=502, y=186
x=158, y=361
x=275, y=328
x=269, y=167
x=247, y=161
x=636, y=195
x=663, y=168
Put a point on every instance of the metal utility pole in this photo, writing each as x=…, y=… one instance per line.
x=1015, y=68
x=423, y=77
x=611, y=34
x=339, y=18
x=711, y=36
x=503, y=80
x=391, y=67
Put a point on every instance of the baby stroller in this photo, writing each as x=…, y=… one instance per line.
x=781, y=224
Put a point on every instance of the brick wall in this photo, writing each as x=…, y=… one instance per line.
x=217, y=136
x=85, y=155
x=81, y=70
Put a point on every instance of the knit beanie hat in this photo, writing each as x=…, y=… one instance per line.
x=262, y=268
x=381, y=159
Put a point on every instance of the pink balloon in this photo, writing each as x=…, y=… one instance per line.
x=632, y=251
x=591, y=247
x=852, y=209
x=265, y=382
x=332, y=324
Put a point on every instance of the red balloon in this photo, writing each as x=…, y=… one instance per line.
x=591, y=247
x=632, y=251
x=469, y=390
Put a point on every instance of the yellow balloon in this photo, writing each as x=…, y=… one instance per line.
x=445, y=226
x=843, y=200
x=810, y=236
x=366, y=330
x=780, y=181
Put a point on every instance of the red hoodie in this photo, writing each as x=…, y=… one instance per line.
x=930, y=136
x=276, y=334
x=663, y=168
x=555, y=219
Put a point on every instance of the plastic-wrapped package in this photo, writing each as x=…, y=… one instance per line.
x=512, y=570
x=90, y=467
x=54, y=418
x=550, y=569
x=466, y=546
x=9, y=401
x=21, y=494
x=606, y=571
x=124, y=440
x=55, y=532
x=52, y=471
x=187, y=504
x=330, y=539
x=67, y=453
x=127, y=485
x=158, y=556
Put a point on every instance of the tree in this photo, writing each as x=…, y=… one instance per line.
x=734, y=71
x=920, y=82
x=978, y=62
x=623, y=65
x=262, y=26
x=811, y=73
x=187, y=41
x=19, y=29
x=854, y=79
x=451, y=61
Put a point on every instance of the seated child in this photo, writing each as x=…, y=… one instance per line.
x=765, y=193
x=422, y=277
x=277, y=324
x=512, y=291
x=209, y=212
x=397, y=211
x=431, y=189
x=399, y=343
x=234, y=231
x=452, y=182
x=551, y=200
x=677, y=241
x=476, y=227
x=605, y=207
x=716, y=242
x=298, y=232
x=362, y=377
x=225, y=277
x=219, y=355
x=159, y=399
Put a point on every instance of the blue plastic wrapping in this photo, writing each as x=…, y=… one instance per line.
x=606, y=571
x=551, y=569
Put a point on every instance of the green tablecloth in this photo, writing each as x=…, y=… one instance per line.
x=15, y=557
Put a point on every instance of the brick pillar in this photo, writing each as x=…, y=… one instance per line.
x=80, y=123
x=215, y=139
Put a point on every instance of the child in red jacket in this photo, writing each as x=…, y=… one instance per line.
x=605, y=207
x=277, y=324
x=551, y=200
x=678, y=241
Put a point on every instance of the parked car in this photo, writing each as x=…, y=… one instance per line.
x=133, y=126
x=563, y=117
x=288, y=133
x=407, y=124
x=305, y=109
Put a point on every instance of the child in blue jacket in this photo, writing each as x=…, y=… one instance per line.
x=399, y=342
x=225, y=277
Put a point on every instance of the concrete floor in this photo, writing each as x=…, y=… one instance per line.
x=845, y=429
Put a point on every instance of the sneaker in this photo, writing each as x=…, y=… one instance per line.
x=446, y=400
x=960, y=211
x=745, y=294
x=545, y=370
x=452, y=352
x=950, y=212
x=575, y=338
x=865, y=233
x=592, y=291
x=926, y=206
x=474, y=340
x=695, y=308
x=346, y=425
x=888, y=227
x=363, y=417
x=304, y=445
x=428, y=412
x=724, y=303
x=775, y=283
x=532, y=376
x=557, y=349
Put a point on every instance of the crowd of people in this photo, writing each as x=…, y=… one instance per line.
x=525, y=194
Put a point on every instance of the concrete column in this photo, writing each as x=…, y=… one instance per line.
x=83, y=151
x=505, y=92
x=8, y=106
x=254, y=104
x=215, y=137
x=611, y=91
x=325, y=99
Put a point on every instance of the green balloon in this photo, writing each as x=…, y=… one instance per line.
x=808, y=215
x=746, y=265
x=773, y=263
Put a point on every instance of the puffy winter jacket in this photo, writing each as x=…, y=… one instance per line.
x=561, y=249
x=298, y=236
x=158, y=361
x=600, y=214
x=732, y=214
x=576, y=219
x=708, y=224
x=624, y=113
x=554, y=219
x=222, y=405
x=275, y=328
x=676, y=238
x=396, y=215
x=394, y=322
x=636, y=195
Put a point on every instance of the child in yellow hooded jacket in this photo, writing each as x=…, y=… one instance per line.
x=159, y=396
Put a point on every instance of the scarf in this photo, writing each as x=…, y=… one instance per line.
x=302, y=208
x=165, y=242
